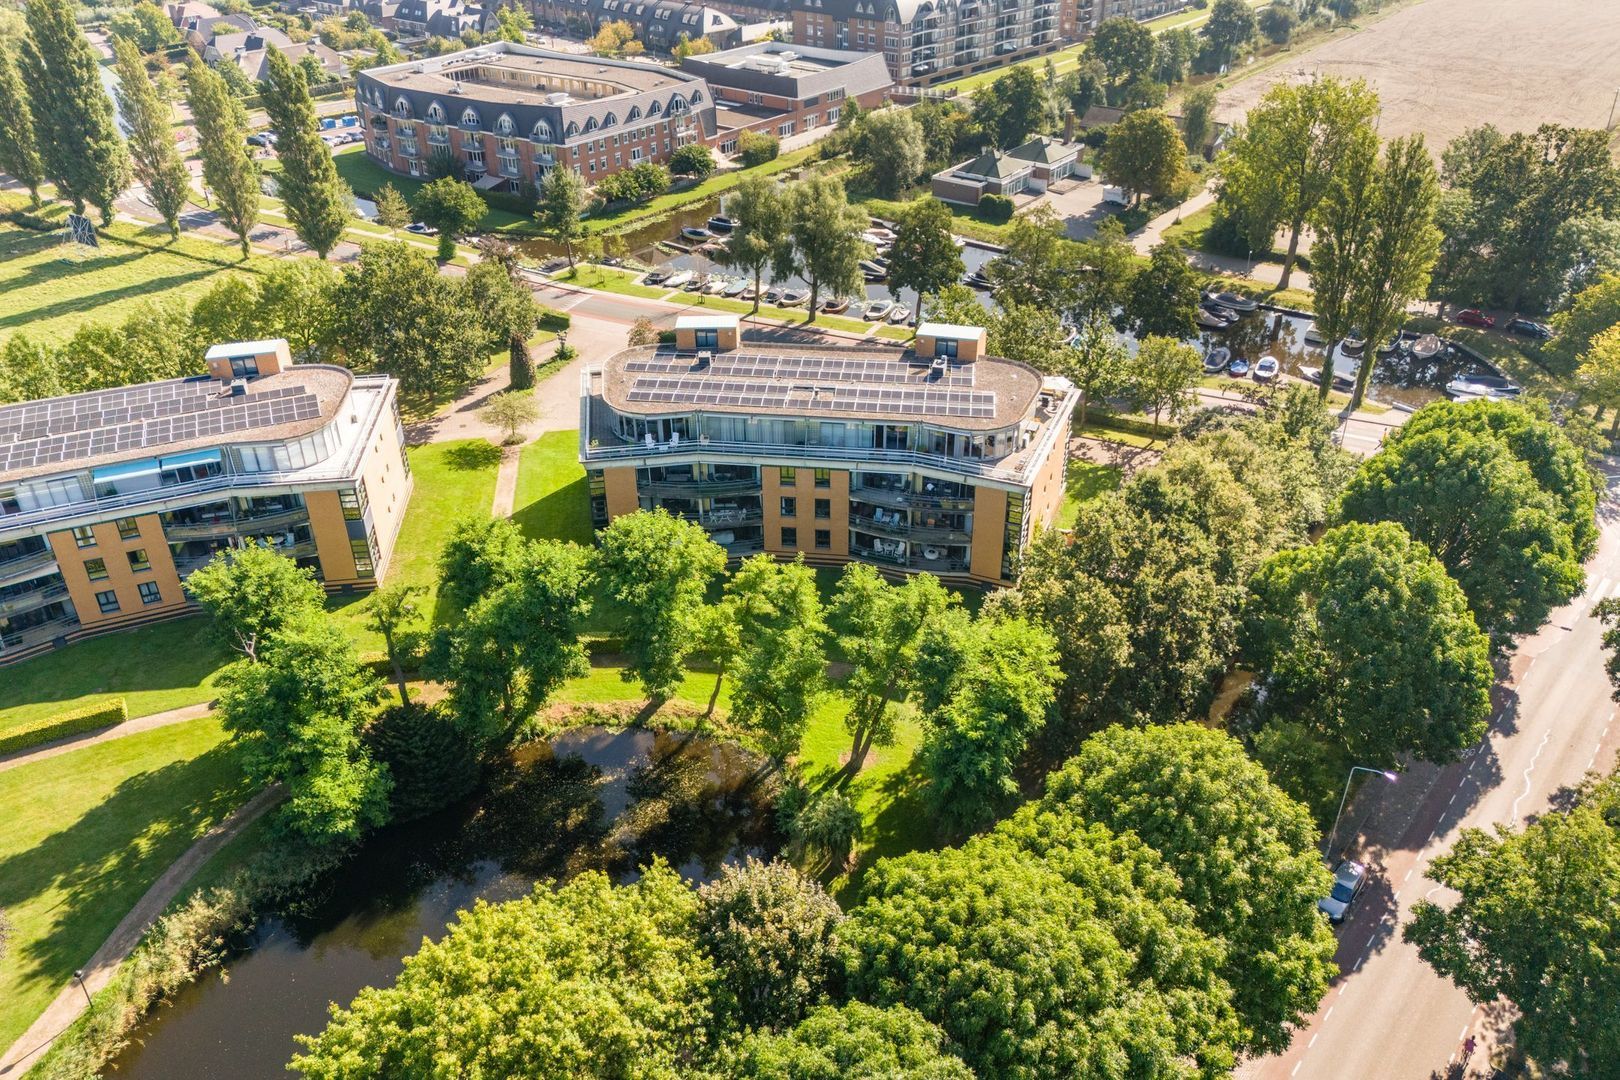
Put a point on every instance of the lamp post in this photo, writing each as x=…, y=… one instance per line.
x=1385, y=773
x=78, y=977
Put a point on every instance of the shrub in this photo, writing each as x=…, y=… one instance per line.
x=431, y=759
x=60, y=726
x=756, y=148
x=996, y=208
x=23, y=219
x=638, y=183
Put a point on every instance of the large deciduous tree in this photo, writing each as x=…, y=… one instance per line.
x=1534, y=923
x=229, y=170
x=779, y=667
x=509, y=313
x=1144, y=154
x=889, y=144
x=1365, y=639
x=1281, y=163
x=148, y=116
x=1230, y=26
x=1038, y=264
x=655, y=569
x=1594, y=310
x=764, y=214
x=19, y=135
x=561, y=208
x=1012, y=108
x=924, y=256
x=827, y=244
x=452, y=206
x=1163, y=376
x=1163, y=296
x=79, y=144
x=851, y=1042
x=251, y=592
x=1125, y=49
x=316, y=198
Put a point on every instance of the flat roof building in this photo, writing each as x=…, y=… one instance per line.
x=507, y=113
x=935, y=458
x=110, y=499
x=784, y=89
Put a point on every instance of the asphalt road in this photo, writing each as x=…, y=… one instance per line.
x=1389, y=1015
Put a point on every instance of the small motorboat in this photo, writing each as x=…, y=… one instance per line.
x=1216, y=359
x=1484, y=386
x=1427, y=347
x=1391, y=345
x=794, y=297
x=1313, y=336
x=835, y=305
x=977, y=280
x=658, y=276
x=1234, y=301
x=773, y=295
x=874, y=270
x=1353, y=343
x=722, y=223
x=679, y=279
x=877, y=310
x=714, y=249
x=734, y=287
x=1266, y=368
x=748, y=293
x=692, y=232
x=1213, y=320
x=900, y=314
x=1238, y=368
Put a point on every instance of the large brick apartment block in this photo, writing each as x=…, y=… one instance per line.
x=109, y=499
x=934, y=458
x=784, y=89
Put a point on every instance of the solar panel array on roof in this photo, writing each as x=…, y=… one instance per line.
x=710, y=390
x=127, y=419
x=819, y=368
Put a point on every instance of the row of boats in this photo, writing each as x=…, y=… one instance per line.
x=736, y=288
x=1219, y=358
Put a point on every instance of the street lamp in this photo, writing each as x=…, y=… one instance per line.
x=1385, y=773
x=79, y=977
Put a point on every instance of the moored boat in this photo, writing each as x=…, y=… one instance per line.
x=1216, y=359
x=877, y=310
x=1266, y=368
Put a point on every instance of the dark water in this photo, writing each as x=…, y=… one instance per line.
x=590, y=799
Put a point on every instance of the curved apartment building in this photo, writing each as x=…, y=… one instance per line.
x=936, y=458
x=109, y=499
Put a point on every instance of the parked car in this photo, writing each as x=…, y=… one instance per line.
x=421, y=228
x=1475, y=317
x=1529, y=328
x=1349, y=878
x=262, y=138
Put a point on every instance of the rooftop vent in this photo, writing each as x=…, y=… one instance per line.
x=238, y=387
x=557, y=99
x=703, y=358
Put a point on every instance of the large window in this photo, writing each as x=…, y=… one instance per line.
x=138, y=562
x=84, y=536
x=95, y=569
x=790, y=506
x=107, y=602
x=128, y=528
x=150, y=593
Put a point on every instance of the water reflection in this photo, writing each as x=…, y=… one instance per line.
x=589, y=799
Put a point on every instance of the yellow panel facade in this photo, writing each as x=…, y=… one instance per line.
x=837, y=524
x=388, y=489
x=773, y=487
x=989, y=533
x=1046, y=493
x=620, y=487
x=331, y=533
x=120, y=565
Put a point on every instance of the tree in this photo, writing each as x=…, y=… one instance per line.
x=1593, y=311
x=392, y=209
x=1096, y=363
x=888, y=143
x=1280, y=165
x=693, y=159
x=771, y=934
x=1342, y=226
x=452, y=206
x=587, y=979
x=316, y=199
x=1163, y=297
x=1599, y=374
x=1245, y=854
x=28, y=370
x=147, y=114
x=1028, y=333
x=480, y=556
x=513, y=22
x=1277, y=21
x=779, y=667
x=638, y=183
x=144, y=26
x=561, y=207
x=1011, y=108
x=1365, y=639
x=296, y=303
x=825, y=826
x=1401, y=247
x=297, y=713
x=1144, y=154
x=1038, y=264
x=851, y=1042
x=757, y=147
x=1163, y=376
x=19, y=136
x=655, y=569
x=506, y=308
x=397, y=314
x=987, y=689
x=78, y=138
x=760, y=238
x=826, y=234
x=686, y=46
x=924, y=257
x=1125, y=48
x=1173, y=54
x=1198, y=118
x=251, y=592
x=1087, y=84
x=392, y=612
x=879, y=629
x=514, y=646
x=1454, y=479
x=615, y=38
x=1230, y=26
x=1534, y=925
x=229, y=171
x=511, y=411
x=429, y=756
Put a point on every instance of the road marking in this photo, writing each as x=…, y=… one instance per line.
x=1528, y=770
x=1342, y=988
x=1297, y=1064
x=1327, y=1014
x=1408, y=876
x=1597, y=593
x=1453, y=798
x=1313, y=1041
x=1463, y=1034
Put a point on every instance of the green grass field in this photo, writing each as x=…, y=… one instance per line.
x=86, y=834
x=631, y=217
x=1085, y=481
x=552, y=501
x=50, y=291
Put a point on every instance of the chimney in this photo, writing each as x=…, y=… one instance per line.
x=1069, y=122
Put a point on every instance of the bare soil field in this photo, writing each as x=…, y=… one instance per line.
x=1443, y=66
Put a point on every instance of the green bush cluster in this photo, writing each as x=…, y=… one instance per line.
x=997, y=209
x=60, y=726
x=638, y=183
x=756, y=148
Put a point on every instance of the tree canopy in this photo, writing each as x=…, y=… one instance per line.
x=1144, y=154
x=253, y=591
x=316, y=199
x=851, y=1042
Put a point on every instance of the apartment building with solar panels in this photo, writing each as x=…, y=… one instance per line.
x=110, y=499
x=935, y=458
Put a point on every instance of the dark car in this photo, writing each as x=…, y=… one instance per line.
x=262, y=138
x=1529, y=328
x=1349, y=878
x=421, y=228
x=1475, y=317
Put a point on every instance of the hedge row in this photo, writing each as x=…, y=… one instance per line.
x=60, y=726
x=24, y=219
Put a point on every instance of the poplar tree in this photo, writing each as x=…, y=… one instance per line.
x=19, y=141
x=77, y=137
x=145, y=106
x=228, y=166
x=316, y=198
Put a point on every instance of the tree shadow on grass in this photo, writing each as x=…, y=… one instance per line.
x=473, y=456
x=103, y=861
x=563, y=514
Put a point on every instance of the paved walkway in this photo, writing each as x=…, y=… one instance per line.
x=98, y=971
x=117, y=731
x=506, y=482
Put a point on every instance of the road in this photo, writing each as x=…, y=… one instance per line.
x=1389, y=1015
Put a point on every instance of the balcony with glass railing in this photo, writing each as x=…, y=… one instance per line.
x=23, y=600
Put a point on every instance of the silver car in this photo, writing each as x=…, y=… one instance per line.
x=1349, y=878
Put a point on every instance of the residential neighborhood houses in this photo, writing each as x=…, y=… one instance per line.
x=755, y=538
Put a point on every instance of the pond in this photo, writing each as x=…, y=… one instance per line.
x=589, y=799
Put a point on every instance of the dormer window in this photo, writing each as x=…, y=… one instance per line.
x=435, y=113
x=504, y=125
x=469, y=118
x=542, y=132
x=402, y=108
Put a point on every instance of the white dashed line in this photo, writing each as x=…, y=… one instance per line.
x=1327, y=1014
x=1313, y=1041
x=1297, y=1064
x=1408, y=877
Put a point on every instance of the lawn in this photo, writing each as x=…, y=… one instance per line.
x=552, y=501
x=86, y=834
x=1085, y=481
x=51, y=290
x=635, y=216
x=364, y=177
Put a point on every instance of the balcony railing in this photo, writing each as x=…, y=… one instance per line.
x=643, y=454
x=694, y=488
x=23, y=564
x=34, y=635
x=32, y=599
x=725, y=519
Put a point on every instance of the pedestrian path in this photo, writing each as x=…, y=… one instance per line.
x=117, y=731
